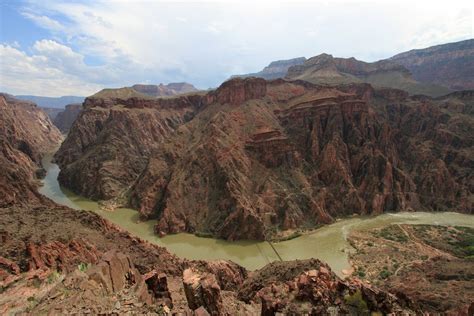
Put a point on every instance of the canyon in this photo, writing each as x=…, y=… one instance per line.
x=256, y=159
x=54, y=259
x=262, y=164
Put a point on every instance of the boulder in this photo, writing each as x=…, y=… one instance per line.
x=202, y=289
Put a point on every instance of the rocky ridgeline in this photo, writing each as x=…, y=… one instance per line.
x=345, y=65
x=450, y=64
x=278, y=155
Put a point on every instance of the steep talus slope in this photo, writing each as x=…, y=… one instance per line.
x=450, y=65
x=26, y=133
x=326, y=69
x=64, y=119
x=254, y=158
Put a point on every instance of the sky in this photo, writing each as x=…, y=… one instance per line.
x=55, y=48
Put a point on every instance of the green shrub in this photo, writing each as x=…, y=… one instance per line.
x=357, y=302
x=83, y=267
x=384, y=274
x=52, y=277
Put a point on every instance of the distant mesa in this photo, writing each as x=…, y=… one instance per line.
x=51, y=102
x=144, y=91
x=165, y=90
x=276, y=69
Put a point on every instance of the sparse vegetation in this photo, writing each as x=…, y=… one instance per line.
x=393, y=233
x=384, y=273
x=53, y=277
x=357, y=302
x=83, y=267
x=203, y=234
x=360, y=272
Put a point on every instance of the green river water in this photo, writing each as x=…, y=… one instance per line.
x=327, y=243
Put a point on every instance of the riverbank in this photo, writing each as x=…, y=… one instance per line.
x=327, y=243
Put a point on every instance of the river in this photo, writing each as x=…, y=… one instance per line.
x=327, y=243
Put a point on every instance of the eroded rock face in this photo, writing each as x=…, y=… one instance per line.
x=61, y=256
x=129, y=132
x=255, y=157
x=26, y=133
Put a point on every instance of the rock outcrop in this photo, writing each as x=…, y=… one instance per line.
x=450, y=65
x=202, y=290
x=64, y=119
x=253, y=158
x=309, y=287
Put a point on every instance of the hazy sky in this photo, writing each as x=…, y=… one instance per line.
x=55, y=48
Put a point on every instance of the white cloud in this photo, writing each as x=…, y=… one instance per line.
x=23, y=74
x=205, y=43
x=44, y=21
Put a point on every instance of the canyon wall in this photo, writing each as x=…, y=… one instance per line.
x=26, y=133
x=255, y=158
x=64, y=119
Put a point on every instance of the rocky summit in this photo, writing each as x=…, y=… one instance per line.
x=254, y=158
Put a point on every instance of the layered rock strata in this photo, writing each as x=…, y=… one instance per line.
x=254, y=158
x=26, y=133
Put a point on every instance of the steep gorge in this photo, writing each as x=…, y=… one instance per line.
x=55, y=260
x=255, y=158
